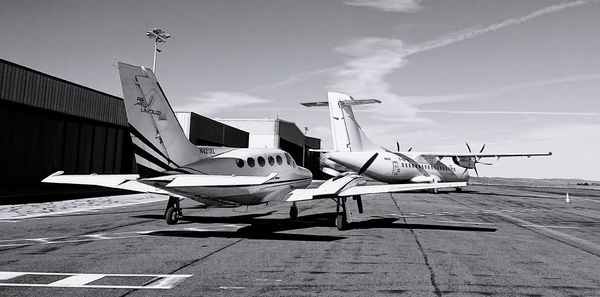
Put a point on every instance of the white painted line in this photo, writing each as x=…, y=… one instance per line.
x=8, y=221
x=5, y=275
x=81, y=280
x=231, y=288
x=76, y=280
x=166, y=282
x=97, y=236
x=559, y=227
x=474, y=223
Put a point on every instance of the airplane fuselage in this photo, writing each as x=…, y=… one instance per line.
x=395, y=168
x=242, y=162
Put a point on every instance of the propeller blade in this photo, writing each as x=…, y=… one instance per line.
x=410, y=149
x=475, y=167
x=397, y=146
x=468, y=146
x=483, y=147
x=484, y=163
x=465, y=171
x=367, y=164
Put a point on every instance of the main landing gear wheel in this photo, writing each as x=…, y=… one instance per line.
x=173, y=212
x=341, y=220
x=293, y=211
x=172, y=216
x=459, y=189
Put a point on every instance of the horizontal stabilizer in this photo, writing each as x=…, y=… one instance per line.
x=342, y=102
x=116, y=181
x=196, y=180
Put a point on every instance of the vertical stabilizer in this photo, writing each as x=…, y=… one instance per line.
x=347, y=134
x=159, y=142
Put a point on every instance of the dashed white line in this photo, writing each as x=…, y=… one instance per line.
x=544, y=226
x=473, y=223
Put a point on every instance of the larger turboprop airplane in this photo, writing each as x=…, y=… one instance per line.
x=352, y=149
x=168, y=163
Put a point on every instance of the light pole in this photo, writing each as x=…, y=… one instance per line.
x=159, y=36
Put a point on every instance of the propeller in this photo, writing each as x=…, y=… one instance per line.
x=367, y=164
x=398, y=147
x=476, y=159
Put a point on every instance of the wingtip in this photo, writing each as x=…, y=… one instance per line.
x=47, y=179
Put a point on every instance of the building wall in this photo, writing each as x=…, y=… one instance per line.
x=204, y=131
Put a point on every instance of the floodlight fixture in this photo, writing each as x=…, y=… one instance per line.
x=159, y=35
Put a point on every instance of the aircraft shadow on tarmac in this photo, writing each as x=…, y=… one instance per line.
x=268, y=228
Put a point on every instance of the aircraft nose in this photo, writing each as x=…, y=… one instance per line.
x=304, y=172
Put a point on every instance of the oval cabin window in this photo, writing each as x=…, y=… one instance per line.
x=271, y=161
x=278, y=159
x=261, y=161
x=250, y=162
x=239, y=163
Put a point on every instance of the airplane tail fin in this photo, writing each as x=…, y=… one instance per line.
x=348, y=136
x=159, y=141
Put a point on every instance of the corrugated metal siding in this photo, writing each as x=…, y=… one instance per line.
x=26, y=86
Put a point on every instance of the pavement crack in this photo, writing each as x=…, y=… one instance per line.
x=194, y=261
x=436, y=289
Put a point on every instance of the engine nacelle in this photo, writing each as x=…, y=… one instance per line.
x=465, y=162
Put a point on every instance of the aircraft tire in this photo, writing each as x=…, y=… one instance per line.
x=459, y=189
x=293, y=212
x=171, y=216
x=341, y=222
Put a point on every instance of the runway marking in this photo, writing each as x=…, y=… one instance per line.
x=474, y=223
x=231, y=288
x=559, y=227
x=83, y=280
x=583, y=244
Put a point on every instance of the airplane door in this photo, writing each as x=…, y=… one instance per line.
x=395, y=168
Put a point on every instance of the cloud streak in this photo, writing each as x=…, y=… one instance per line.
x=372, y=59
x=388, y=5
x=487, y=112
x=210, y=103
x=476, y=32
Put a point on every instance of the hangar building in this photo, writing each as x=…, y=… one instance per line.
x=50, y=124
x=278, y=133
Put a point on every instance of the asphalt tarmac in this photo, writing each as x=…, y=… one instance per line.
x=486, y=241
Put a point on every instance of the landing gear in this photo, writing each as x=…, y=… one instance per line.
x=358, y=203
x=293, y=211
x=173, y=212
x=458, y=189
x=341, y=220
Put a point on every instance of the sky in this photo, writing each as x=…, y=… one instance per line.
x=517, y=76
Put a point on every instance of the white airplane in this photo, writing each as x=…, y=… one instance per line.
x=352, y=149
x=170, y=164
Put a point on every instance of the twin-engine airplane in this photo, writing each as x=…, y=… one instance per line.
x=352, y=149
x=168, y=163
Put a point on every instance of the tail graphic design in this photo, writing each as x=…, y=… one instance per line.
x=159, y=142
x=348, y=136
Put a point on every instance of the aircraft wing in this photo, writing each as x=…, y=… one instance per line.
x=117, y=181
x=197, y=180
x=352, y=184
x=481, y=155
x=132, y=181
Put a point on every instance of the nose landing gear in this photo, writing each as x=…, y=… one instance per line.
x=293, y=211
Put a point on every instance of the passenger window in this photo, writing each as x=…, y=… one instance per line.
x=271, y=161
x=279, y=160
x=288, y=159
x=250, y=162
x=261, y=161
x=239, y=163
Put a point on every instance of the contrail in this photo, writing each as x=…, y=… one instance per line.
x=458, y=37
x=543, y=113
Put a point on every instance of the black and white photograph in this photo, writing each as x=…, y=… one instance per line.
x=299, y=148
